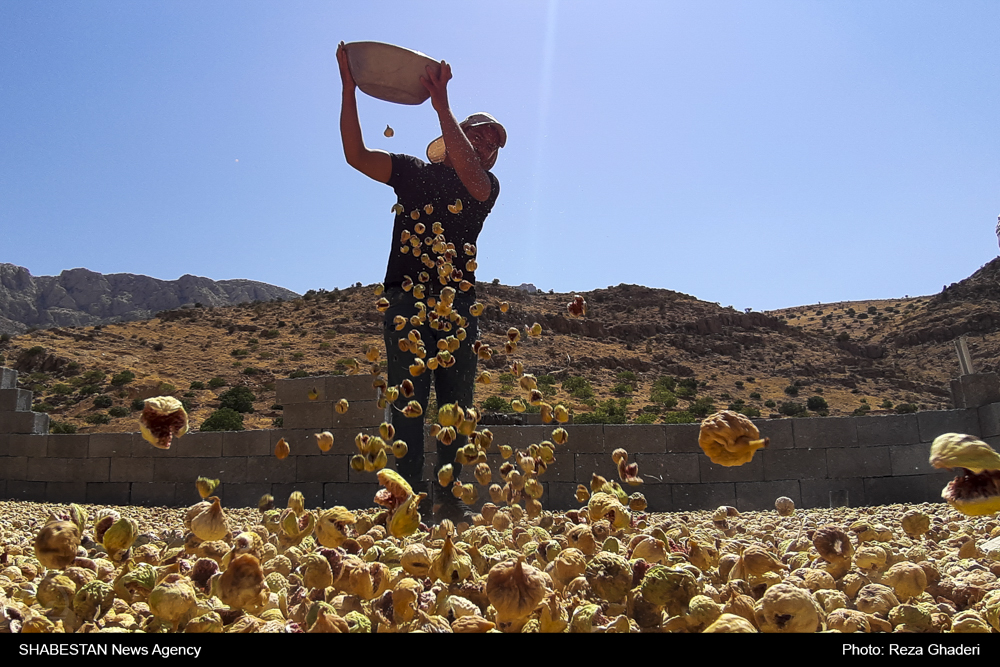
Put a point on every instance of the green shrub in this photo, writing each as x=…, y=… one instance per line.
x=645, y=418
x=816, y=403
x=687, y=388
x=270, y=334
x=36, y=350
x=680, y=417
x=770, y=404
x=251, y=370
x=216, y=382
x=626, y=376
x=298, y=356
x=862, y=410
x=496, y=404
x=224, y=419
x=94, y=375
x=298, y=374
x=88, y=390
x=239, y=399
x=119, y=411
x=123, y=378
x=886, y=404
x=240, y=352
x=102, y=401
x=579, y=388
x=138, y=404
x=62, y=427
x=42, y=407
x=663, y=392
x=792, y=409
x=278, y=422
x=622, y=389
x=547, y=390
x=610, y=411
x=749, y=411
x=62, y=389
x=702, y=407
x=739, y=384
x=545, y=379
x=905, y=408
x=166, y=388
x=792, y=390
x=755, y=395
x=97, y=418
x=197, y=385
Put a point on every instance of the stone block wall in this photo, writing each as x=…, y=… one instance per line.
x=818, y=462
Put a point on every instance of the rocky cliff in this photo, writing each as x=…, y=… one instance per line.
x=79, y=297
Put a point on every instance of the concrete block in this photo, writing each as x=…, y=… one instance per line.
x=635, y=438
x=23, y=490
x=27, y=445
x=909, y=489
x=975, y=390
x=351, y=387
x=519, y=437
x=989, y=420
x=563, y=469
x=8, y=378
x=246, y=443
x=296, y=390
x=822, y=432
x=702, y=496
x=132, y=470
x=858, y=462
x=113, y=445
x=319, y=416
x=155, y=494
x=588, y=464
x=227, y=469
x=360, y=414
x=15, y=400
x=69, y=446
x=748, y=472
x=659, y=497
x=681, y=437
x=760, y=496
x=778, y=431
x=794, y=464
x=562, y=496
x=3, y=488
x=301, y=442
x=312, y=491
x=826, y=493
x=242, y=495
x=14, y=467
x=201, y=444
x=68, y=470
x=322, y=469
x=108, y=493
x=910, y=460
x=583, y=438
x=887, y=430
x=657, y=469
x=4, y=444
x=356, y=496
x=269, y=470
x=36, y=423
x=933, y=423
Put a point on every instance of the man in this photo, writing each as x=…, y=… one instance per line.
x=456, y=190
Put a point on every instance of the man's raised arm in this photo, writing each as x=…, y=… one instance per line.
x=460, y=152
x=372, y=163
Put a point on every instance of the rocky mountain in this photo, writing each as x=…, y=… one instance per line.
x=80, y=297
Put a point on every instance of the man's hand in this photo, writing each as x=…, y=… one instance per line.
x=345, y=69
x=437, y=86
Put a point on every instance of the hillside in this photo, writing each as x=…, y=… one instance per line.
x=872, y=356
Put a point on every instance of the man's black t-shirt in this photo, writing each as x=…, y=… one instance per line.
x=417, y=184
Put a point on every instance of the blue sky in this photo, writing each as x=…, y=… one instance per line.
x=759, y=154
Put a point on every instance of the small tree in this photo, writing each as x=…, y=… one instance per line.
x=225, y=419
